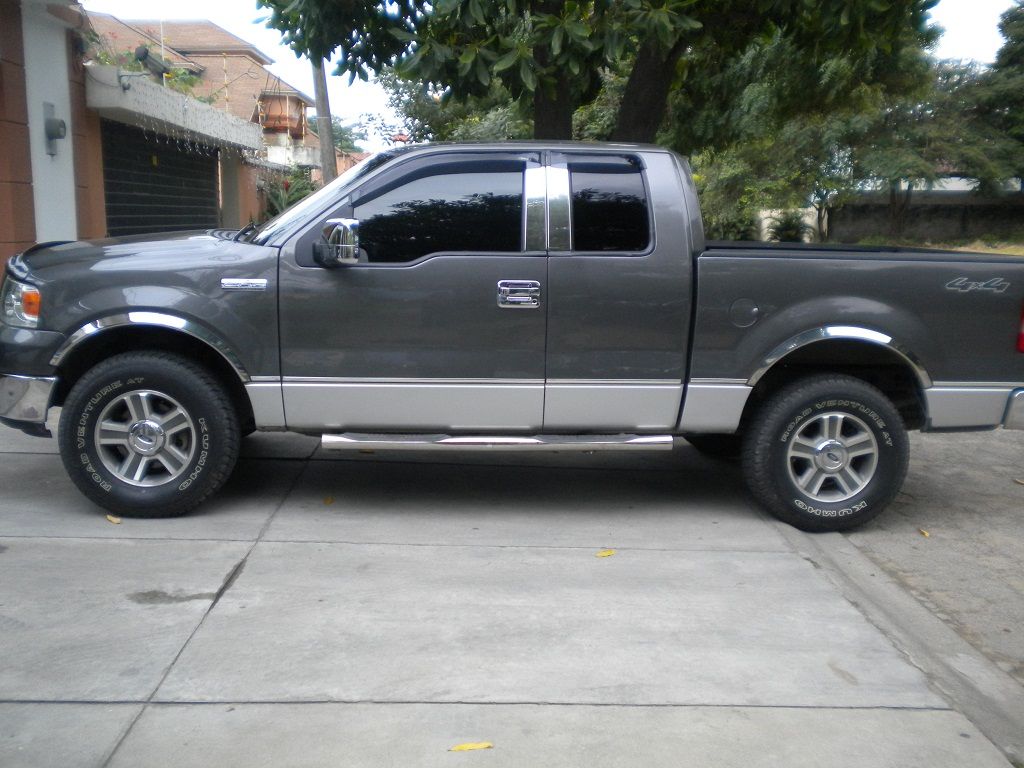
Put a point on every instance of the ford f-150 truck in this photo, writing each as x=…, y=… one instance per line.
x=507, y=297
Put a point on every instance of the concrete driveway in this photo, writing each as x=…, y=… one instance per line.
x=376, y=611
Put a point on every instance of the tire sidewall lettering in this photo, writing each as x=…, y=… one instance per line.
x=203, y=454
x=84, y=424
x=820, y=512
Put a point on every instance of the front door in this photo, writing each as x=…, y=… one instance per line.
x=441, y=326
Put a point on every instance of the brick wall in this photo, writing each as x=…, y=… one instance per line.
x=17, y=212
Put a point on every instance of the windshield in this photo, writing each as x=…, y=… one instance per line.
x=319, y=199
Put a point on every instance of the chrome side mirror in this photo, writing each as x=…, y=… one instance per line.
x=339, y=243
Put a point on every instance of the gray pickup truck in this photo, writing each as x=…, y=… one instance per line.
x=507, y=297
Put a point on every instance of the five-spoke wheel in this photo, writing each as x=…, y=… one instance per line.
x=145, y=437
x=149, y=434
x=825, y=453
x=833, y=456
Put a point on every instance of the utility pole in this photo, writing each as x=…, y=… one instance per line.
x=323, y=123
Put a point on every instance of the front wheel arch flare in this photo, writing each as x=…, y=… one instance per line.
x=145, y=338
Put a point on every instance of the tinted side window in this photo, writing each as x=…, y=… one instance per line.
x=609, y=205
x=472, y=212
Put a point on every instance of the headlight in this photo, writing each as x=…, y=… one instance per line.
x=20, y=304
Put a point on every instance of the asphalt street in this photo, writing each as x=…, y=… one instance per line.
x=378, y=610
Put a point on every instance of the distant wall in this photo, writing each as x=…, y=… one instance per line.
x=932, y=216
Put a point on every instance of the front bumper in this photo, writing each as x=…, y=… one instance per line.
x=1014, y=418
x=24, y=400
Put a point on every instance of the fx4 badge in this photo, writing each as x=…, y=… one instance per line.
x=962, y=284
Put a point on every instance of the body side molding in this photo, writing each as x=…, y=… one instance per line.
x=157, y=319
x=959, y=406
x=714, y=405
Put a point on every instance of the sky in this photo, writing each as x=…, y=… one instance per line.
x=971, y=32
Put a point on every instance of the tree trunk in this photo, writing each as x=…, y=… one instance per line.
x=822, y=211
x=645, y=99
x=324, y=128
x=899, y=202
x=552, y=112
x=552, y=115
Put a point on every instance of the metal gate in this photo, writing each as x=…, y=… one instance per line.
x=154, y=185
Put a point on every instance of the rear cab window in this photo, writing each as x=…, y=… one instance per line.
x=608, y=204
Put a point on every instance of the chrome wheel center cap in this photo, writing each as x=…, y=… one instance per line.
x=831, y=456
x=146, y=437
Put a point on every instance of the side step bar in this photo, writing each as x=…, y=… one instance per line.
x=352, y=441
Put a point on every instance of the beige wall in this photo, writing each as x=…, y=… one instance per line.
x=88, y=150
x=241, y=200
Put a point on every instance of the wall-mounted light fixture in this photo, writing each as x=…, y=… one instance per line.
x=55, y=128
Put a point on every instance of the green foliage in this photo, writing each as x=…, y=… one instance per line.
x=788, y=227
x=344, y=135
x=730, y=226
x=729, y=196
x=429, y=115
x=177, y=78
x=944, y=131
x=284, y=192
x=930, y=122
x=125, y=60
x=550, y=55
x=776, y=79
x=596, y=121
x=1001, y=90
x=181, y=80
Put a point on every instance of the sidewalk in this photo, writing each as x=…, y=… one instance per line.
x=379, y=611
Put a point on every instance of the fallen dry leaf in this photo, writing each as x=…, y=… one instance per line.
x=923, y=532
x=470, y=746
x=605, y=553
x=329, y=500
x=114, y=520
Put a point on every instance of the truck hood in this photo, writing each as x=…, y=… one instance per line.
x=140, y=252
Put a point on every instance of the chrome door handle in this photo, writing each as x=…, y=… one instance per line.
x=518, y=294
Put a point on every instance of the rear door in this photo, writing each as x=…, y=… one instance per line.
x=619, y=287
x=441, y=327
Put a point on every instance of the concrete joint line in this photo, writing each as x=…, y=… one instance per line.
x=568, y=547
x=226, y=584
x=229, y=580
x=975, y=686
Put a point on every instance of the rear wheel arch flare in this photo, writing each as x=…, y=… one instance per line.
x=849, y=333
x=874, y=357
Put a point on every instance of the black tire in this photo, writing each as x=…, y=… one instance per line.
x=170, y=438
x=725, y=447
x=808, y=476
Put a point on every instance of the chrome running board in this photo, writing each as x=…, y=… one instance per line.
x=352, y=441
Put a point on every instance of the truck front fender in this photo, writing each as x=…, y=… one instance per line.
x=158, y=319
